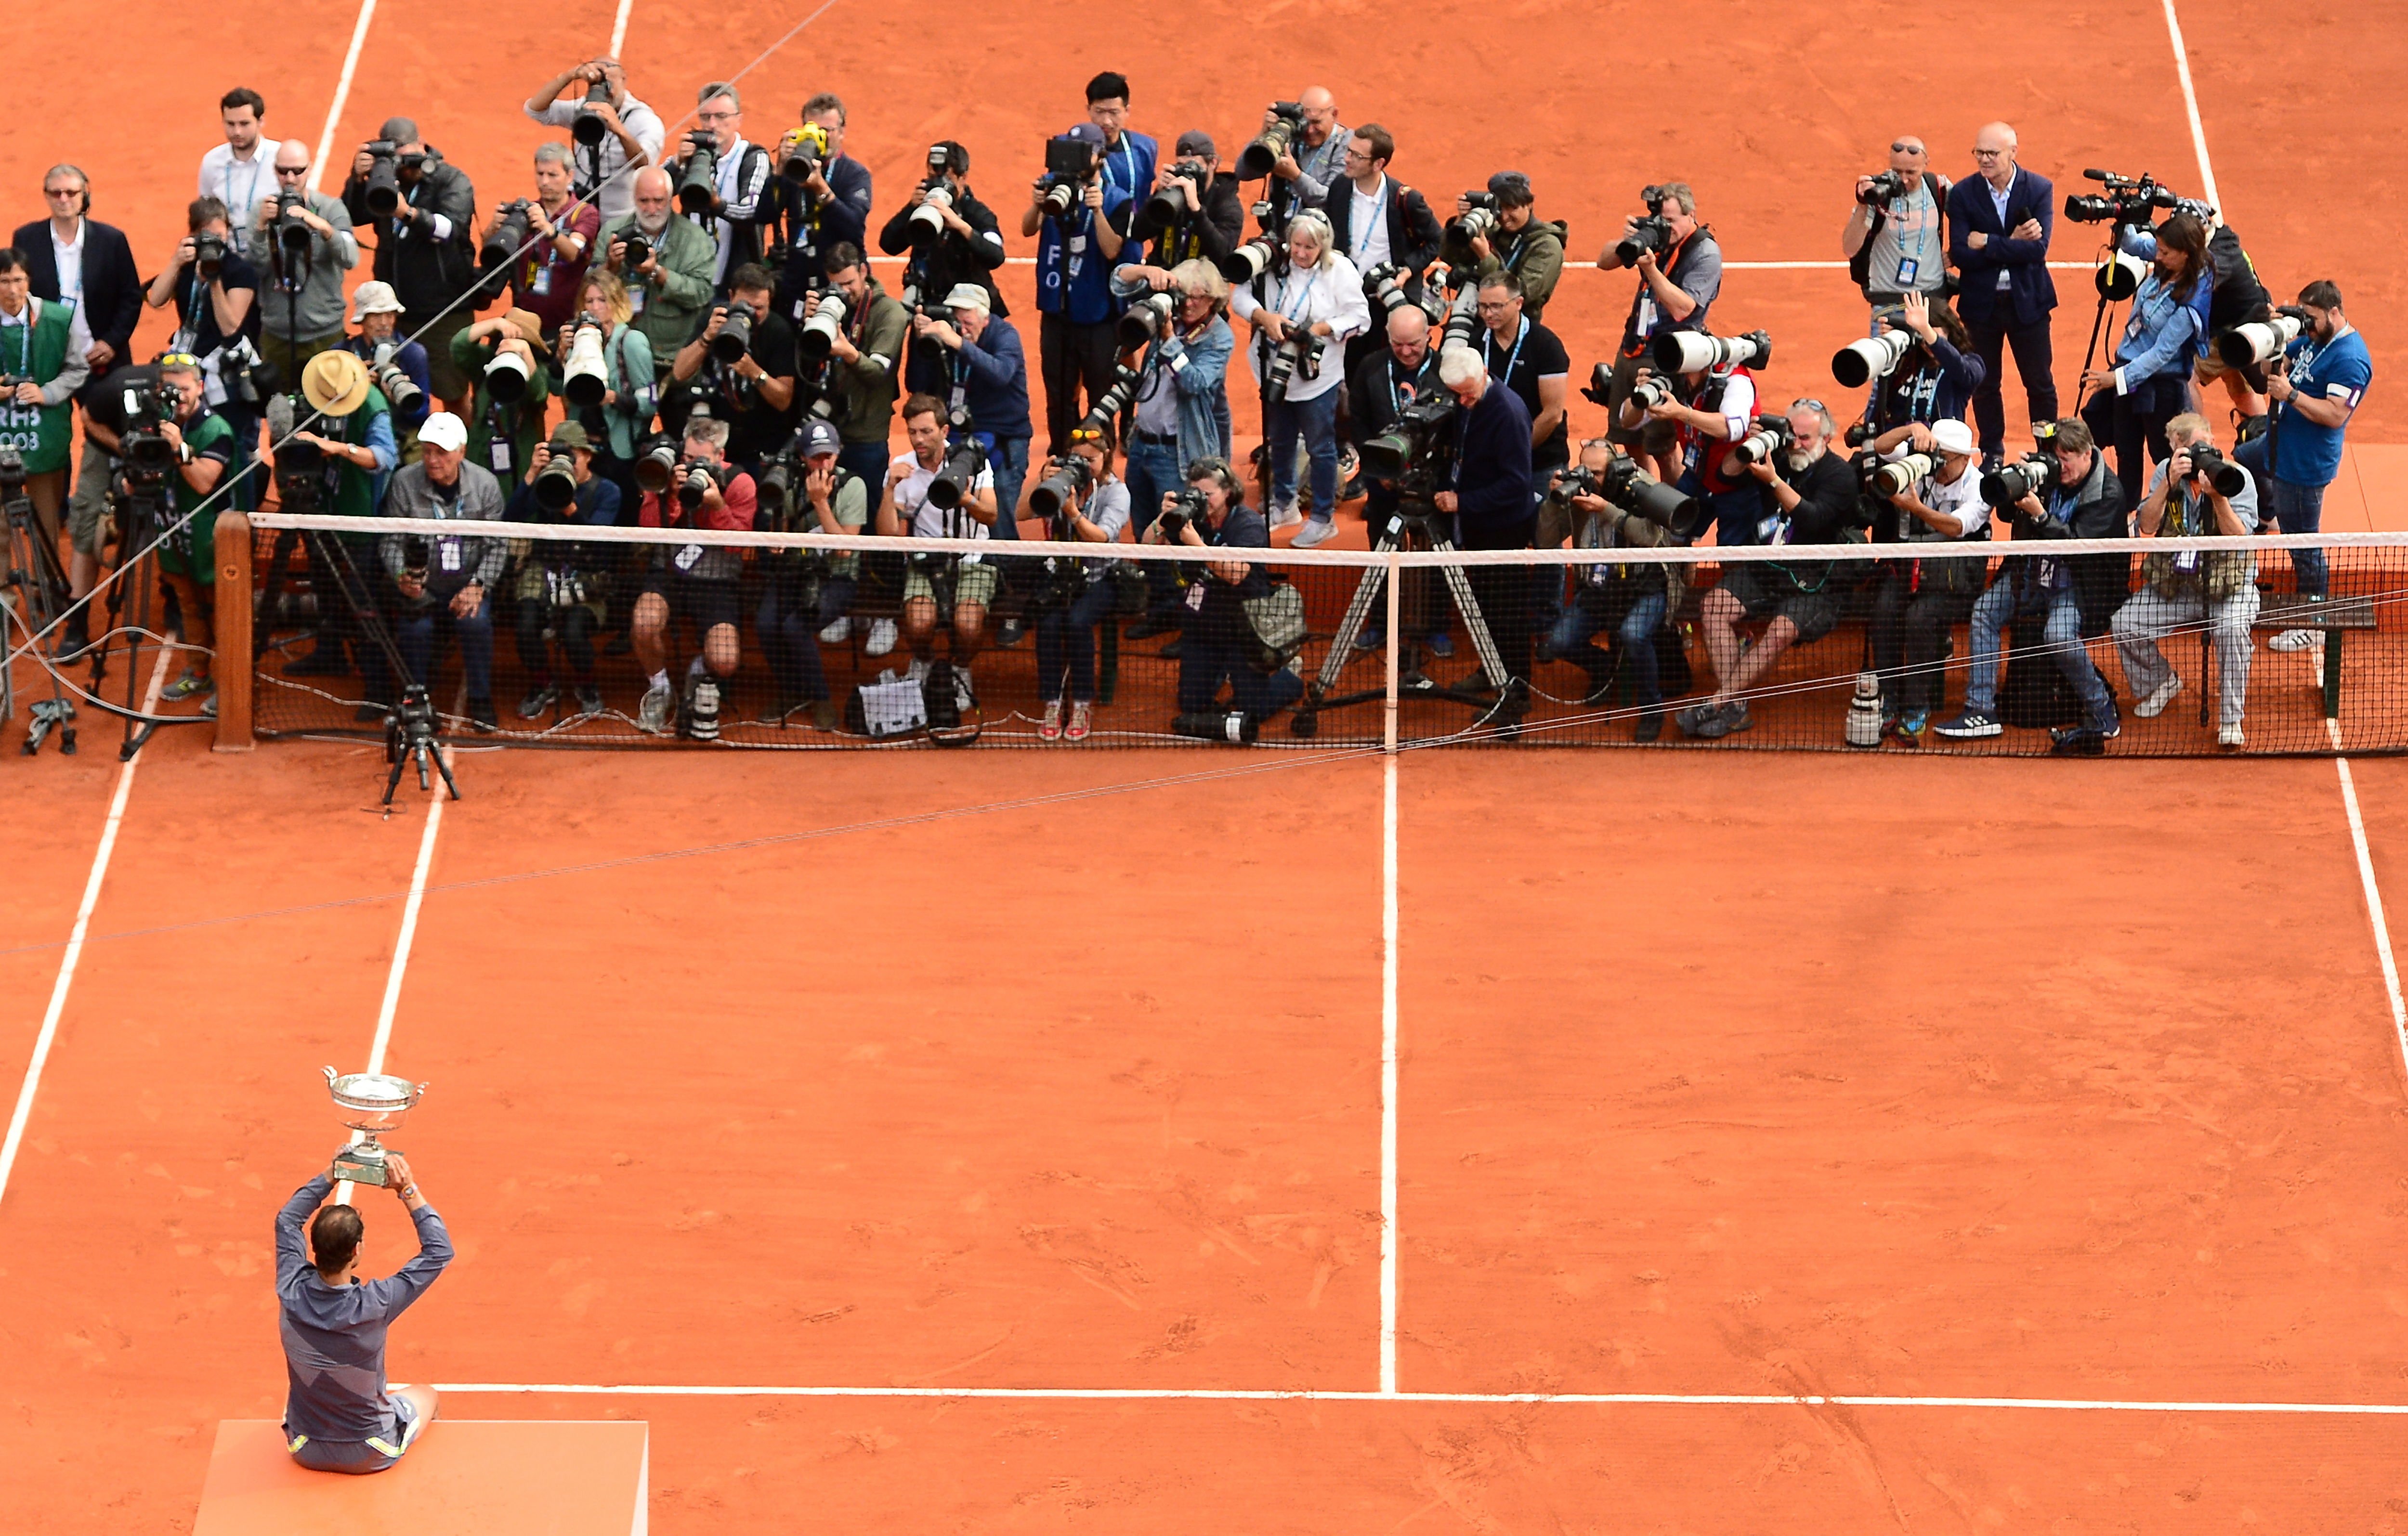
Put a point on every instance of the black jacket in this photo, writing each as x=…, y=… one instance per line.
x=2030, y=293
x=112, y=288
x=426, y=274
x=1413, y=229
x=800, y=230
x=2100, y=582
x=1212, y=233
x=1379, y=388
x=1492, y=471
x=950, y=259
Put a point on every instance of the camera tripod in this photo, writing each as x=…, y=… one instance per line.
x=2108, y=299
x=1417, y=525
x=40, y=595
x=142, y=510
x=409, y=735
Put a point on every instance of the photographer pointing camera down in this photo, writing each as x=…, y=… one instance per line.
x=1680, y=267
x=446, y=583
x=307, y=246
x=668, y=265
x=697, y=583
x=611, y=128
x=423, y=210
x=1895, y=240
x=2197, y=492
x=1527, y=247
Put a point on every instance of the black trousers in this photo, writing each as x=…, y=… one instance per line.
x=1504, y=595
x=1074, y=359
x=574, y=626
x=2130, y=422
x=2034, y=358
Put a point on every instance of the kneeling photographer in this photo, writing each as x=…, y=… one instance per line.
x=1083, y=501
x=446, y=584
x=1180, y=409
x=1216, y=641
x=512, y=386
x=1620, y=506
x=203, y=449
x=942, y=488
x=2072, y=597
x=807, y=590
x=2196, y=493
x=1918, y=603
x=563, y=589
x=743, y=361
x=338, y=464
x=696, y=488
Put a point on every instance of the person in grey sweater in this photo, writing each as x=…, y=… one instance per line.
x=301, y=290
x=447, y=581
x=338, y=1416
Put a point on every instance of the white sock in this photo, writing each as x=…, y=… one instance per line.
x=661, y=679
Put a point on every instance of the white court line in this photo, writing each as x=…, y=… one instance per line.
x=2190, y=105
x=1605, y=1399
x=1388, y=1070
x=74, y=951
x=2374, y=896
x=1583, y=266
x=619, y=27
x=401, y=947
x=343, y=94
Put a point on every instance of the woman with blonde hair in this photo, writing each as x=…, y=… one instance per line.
x=1315, y=291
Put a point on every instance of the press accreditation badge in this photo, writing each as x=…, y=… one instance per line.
x=497, y=451
x=636, y=299
x=1906, y=267
x=686, y=557
x=541, y=283
x=447, y=552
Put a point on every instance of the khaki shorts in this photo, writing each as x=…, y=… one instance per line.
x=89, y=502
x=974, y=585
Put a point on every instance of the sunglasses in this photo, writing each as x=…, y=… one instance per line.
x=1809, y=405
x=1086, y=435
x=1902, y=147
x=292, y=170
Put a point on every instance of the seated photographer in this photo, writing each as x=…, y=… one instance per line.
x=546, y=275
x=446, y=584
x=985, y=375
x=41, y=349
x=1526, y=247
x=1680, y=267
x=1488, y=494
x=426, y=247
x=619, y=424
x=695, y=585
x=966, y=247
x=1078, y=317
x=1215, y=636
x=2180, y=592
x=630, y=130
x=1937, y=378
x=339, y=463
x=301, y=305
x=563, y=589
x=1315, y=291
x=1627, y=600
x=756, y=394
x=1895, y=240
x=1180, y=410
x=1720, y=409
x=1917, y=604
x=205, y=452
x=1208, y=218
x=828, y=208
x=740, y=172
x=668, y=264
x=505, y=405
x=2084, y=502
x=378, y=341
x=1813, y=497
x=1378, y=390
x=807, y=590
x=2149, y=384
x=1078, y=595
x=953, y=590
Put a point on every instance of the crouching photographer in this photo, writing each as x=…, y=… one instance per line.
x=807, y=589
x=446, y=584
x=1931, y=480
x=1620, y=506
x=1216, y=642
x=1698, y=411
x=511, y=388
x=563, y=589
x=2063, y=493
x=2198, y=493
x=338, y=464
x=1083, y=501
x=985, y=375
x=696, y=584
x=398, y=365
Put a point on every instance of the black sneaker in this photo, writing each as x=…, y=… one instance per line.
x=1650, y=728
x=2077, y=742
x=1150, y=626
x=1009, y=636
x=1970, y=725
x=540, y=697
x=589, y=698
x=1169, y=652
x=481, y=714
x=74, y=637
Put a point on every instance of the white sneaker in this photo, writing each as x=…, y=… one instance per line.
x=653, y=714
x=1320, y=530
x=1285, y=517
x=2227, y=736
x=916, y=672
x=839, y=632
x=881, y=638
x=2159, y=697
x=2296, y=640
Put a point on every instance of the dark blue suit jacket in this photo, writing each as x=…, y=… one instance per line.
x=2030, y=293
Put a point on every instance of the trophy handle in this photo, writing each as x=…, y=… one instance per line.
x=329, y=1076
x=417, y=1093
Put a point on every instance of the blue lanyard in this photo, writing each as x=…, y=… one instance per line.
x=1505, y=374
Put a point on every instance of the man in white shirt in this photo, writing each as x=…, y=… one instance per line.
x=941, y=588
x=241, y=172
x=1918, y=603
x=630, y=136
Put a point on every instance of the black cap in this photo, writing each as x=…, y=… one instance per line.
x=1511, y=189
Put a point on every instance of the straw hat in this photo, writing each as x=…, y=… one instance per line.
x=335, y=383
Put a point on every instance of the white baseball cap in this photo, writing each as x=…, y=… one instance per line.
x=1952, y=437
x=445, y=431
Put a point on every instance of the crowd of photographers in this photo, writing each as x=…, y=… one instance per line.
x=685, y=331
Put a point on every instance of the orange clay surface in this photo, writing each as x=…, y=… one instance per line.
x=1746, y=1075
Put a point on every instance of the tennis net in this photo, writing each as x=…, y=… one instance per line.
x=817, y=642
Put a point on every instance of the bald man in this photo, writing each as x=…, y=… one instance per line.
x=1316, y=156
x=301, y=291
x=666, y=263
x=1998, y=224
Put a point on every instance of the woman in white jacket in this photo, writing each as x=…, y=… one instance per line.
x=1319, y=291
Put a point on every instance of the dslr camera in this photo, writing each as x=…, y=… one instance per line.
x=695, y=480
x=1650, y=512
x=1166, y=208
x=209, y=255
x=555, y=483
x=384, y=177
x=735, y=336
x=588, y=128
x=1766, y=436
x=2224, y=477
x=1881, y=187
x=1384, y=287
x=507, y=237
x=817, y=338
x=1651, y=233
x=2128, y=200
x=802, y=153
x=1071, y=163
x=698, y=187
x=2028, y=476
x=964, y=459
x=1298, y=356
x=1251, y=259
x=1067, y=478
x=1696, y=352
x=1185, y=507
x=2262, y=340
x=1255, y=160
x=1477, y=222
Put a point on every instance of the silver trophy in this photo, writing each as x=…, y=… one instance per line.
x=372, y=1102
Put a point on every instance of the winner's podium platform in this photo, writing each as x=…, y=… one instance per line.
x=464, y=1477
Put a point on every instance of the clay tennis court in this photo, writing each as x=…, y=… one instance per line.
x=962, y=1141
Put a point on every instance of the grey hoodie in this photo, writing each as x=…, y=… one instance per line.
x=334, y=1335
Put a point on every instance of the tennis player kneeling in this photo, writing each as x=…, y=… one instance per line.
x=337, y=1415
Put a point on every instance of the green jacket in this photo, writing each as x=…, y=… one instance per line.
x=671, y=303
x=867, y=390
x=1535, y=255
x=522, y=422
x=39, y=432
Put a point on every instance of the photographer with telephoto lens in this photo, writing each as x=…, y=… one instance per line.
x=2149, y=382
x=1080, y=220
x=2317, y=371
x=215, y=294
x=1180, y=412
x=398, y=366
x=1935, y=370
x=1813, y=497
x=1311, y=146
x=941, y=489
x=722, y=177
x=339, y=463
x=305, y=245
x=1526, y=247
x=563, y=589
x=985, y=375
x=744, y=361
x=1626, y=599
x=618, y=422
x=669, y=265
x=446, y=584
x=1702, y=413
x=695, y=583
x=1680, y=267
x=806, y=592
x=2083, y=501
x=423, y=210
x=819, y=200
x=558, y=235
x=1998, y=224
x=1215, y=636
x=611, y=130
x=1310, y=302
x=2197, y=492
x=1195, y=214
x=2236, y=298
x=952, y=238
x=1083, y=501
x=1918, y=603
x=505, y=410
x=1895, y=238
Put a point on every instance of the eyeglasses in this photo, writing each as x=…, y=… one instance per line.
x=1902, y=147
x=60, y=192
x=715, y=117
x=1988, y=155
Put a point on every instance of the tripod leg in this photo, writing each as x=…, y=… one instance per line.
x=1458, y=586
x=1358, y=612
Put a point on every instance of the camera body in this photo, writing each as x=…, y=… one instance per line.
x=2128, y=200
x=1255, y=160
x=513, y=224
x=927, y=221
x=1300, y=354
x=1652, y=514
x=1071, y=163
x=1384, y=287
x=1766, y=436
x=293, y=236
x=1067, y=479
x=1651, y=233
x=1881, y=187
x=735, y=336
x=555, y=483
x=656, y=464
x=1186, y=506
x=1477, y=222
x=209, y=255
x=2224, y=477
x=1166, y=208
x=695, y=480
x=383, y=194
x=817, y=338
x=2028, y=476
x=1648, y=393
x=638, y=249
x=698, y=184
x=803, y=154
x=1147, y=320
x=587, y=127
x=1253, y=258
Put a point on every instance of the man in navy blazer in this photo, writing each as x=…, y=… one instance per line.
x=108, y=289
x=1999, y=225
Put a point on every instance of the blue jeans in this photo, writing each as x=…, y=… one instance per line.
x=1211, y=650
x=790, y=633
x=418, y=634
x=1066, y=636
x=1317, y=420
x=1151, y=472
x=1636, y=635
x=2063, y=635
x=1009, y=460
x=2295, y=509
x=1734, y=513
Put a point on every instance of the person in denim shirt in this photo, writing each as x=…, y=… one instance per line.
x=2149, y=384
x=1180, y=410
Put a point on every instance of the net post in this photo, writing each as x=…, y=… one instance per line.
x=1388, y=711
x=235, y=664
